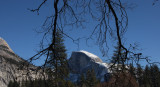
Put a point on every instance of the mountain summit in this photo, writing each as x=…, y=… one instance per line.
x=4, y=45
x=82, y=61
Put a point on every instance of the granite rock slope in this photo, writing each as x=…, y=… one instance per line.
x=12, y=67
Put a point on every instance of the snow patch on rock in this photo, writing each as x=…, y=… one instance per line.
x=89, y=54
x=92, y=56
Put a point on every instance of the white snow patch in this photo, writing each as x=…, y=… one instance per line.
x=89, y=54
x=103, y=64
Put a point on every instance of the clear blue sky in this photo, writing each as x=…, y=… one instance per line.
x=18, y=25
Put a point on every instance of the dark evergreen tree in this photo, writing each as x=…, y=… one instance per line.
x=29, y=83
x=82, y=81
x=139, y=74
x=16, y=84
x=58, y=61
x=91, y=79
x=132, y=70
x=35, y=83
x=22, y=84
x=146, y=77
x=117, y=58
x=13, y=84
x=10, y=84
x=155, y=76
x=69, y=84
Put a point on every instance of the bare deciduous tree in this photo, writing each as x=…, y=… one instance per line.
x=111, y=20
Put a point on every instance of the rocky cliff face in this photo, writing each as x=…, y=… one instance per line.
x=11, y=66
x=82, y=61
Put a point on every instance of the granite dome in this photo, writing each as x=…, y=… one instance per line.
x=82, y=61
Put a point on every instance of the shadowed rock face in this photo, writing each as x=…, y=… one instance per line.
x=82, y=61
x=10, y=66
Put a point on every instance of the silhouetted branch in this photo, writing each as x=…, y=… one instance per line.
x=37, y=10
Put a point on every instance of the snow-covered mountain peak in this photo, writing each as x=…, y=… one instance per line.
x=92, y=56
x=82, y=61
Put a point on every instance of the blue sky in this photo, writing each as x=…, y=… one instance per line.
x=18, y=27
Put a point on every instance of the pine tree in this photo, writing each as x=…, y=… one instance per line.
x=82, y=80
x=22, y=84
x=69, y=84
x=16, y=84
x=115, y=58
x=91, y=79
x=58, y=61
x=13, y=84
x=146, y=77
x=132, y=70
x=10, y=84
x=155, y=76
x=139, y=75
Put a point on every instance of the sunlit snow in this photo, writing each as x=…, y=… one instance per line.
x=89, y=54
